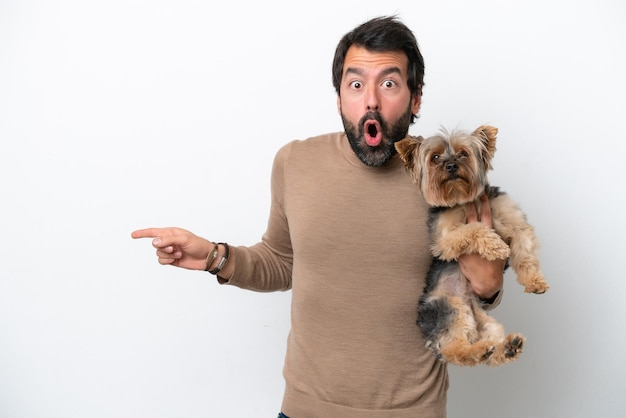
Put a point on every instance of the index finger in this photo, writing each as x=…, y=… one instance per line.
x=147, y=233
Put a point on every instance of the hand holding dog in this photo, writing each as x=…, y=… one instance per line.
x=486, y=277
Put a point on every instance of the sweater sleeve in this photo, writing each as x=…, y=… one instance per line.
x=492, y=304
x=267, y=265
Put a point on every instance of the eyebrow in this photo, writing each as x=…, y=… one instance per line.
x=385, y=72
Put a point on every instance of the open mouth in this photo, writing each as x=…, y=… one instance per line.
x=372, y=133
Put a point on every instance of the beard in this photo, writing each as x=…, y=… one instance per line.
x=391, y=133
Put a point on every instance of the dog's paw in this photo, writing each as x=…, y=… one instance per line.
x=490, y=245
x=513, y=345
x=471, y=238
x=537, y=289
x=497, y=252
x=534, y=283
x=488, y=353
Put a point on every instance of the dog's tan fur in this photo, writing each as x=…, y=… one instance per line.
x=451, y=170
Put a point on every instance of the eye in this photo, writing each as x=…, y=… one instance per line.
x=389, y=84
x=356, y=85
x=463, y=154
x=435, y=158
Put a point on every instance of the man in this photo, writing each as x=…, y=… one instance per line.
x=347, y=234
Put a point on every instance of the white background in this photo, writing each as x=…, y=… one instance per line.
x=118, y=115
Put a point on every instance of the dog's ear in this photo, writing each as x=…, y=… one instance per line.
x=487, y=135
x=406, y=149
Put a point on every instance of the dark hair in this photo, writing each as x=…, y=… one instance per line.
x=382, y=34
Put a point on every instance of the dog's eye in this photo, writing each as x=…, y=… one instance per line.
x=435, y=158
x=463, y=154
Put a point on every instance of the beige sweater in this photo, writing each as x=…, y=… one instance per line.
x=351, y=242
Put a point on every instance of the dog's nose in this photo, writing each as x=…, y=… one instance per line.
x=452, y=167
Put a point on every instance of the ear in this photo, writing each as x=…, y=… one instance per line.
x=416, y=103
x=406, y=149
x=487, y=135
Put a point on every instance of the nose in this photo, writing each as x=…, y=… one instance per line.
x=452, y=167
x=372, y=101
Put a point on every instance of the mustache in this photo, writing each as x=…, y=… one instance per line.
x=372, y=115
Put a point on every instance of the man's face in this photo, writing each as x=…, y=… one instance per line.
x=375, y=103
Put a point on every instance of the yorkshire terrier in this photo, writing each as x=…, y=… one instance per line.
x=451, y=170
